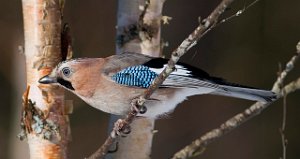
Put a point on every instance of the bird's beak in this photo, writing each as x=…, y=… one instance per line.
x=47, y=80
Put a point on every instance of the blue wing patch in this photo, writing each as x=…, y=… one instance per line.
x=140, y=76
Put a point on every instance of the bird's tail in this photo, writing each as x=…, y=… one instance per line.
x=246, y=93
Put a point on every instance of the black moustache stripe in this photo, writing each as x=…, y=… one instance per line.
x=65, y=83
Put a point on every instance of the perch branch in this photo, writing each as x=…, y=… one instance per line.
x=189, y=42
x=198, y=145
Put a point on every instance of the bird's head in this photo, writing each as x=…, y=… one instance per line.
x=76, y=75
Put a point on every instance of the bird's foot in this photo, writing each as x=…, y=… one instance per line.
x=138, y=108
x=114, y=147
x=121, y=128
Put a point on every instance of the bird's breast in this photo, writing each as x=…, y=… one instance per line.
x=113, y=98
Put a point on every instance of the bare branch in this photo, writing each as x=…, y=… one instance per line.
x=291, y=87
x=198, y=145
x=238, y=13
x=189, y=42
x=142, y=15
x=289, y=66
x=282, y=129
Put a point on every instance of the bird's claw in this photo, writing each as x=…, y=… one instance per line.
x=126, y=130
x=115, y=148
x=134, y=108
x=143, y=109
x=121, y=128
x=140, y=109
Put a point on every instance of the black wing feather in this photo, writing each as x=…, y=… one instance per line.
x=195, y=72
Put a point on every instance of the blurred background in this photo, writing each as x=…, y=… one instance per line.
x=245, y=50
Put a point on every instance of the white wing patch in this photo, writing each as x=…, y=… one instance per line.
x=181, y=77
x=179, y=70
x=187, y=82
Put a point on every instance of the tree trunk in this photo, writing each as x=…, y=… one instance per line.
x=140, y=34
x=44, y=119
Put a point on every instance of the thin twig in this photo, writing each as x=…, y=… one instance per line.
x=289, y=66
x=238, y=13
x=143, y=13
x=189, y=42
x=282, y=129
x=198, y=146
x=284, y=112
x=292, y=86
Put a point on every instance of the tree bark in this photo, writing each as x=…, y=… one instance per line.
x=146, y=40
x=44, y=119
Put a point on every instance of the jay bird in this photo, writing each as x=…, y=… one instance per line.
x=110, y=84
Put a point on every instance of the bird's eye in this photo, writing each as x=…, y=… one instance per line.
x=66, y=71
